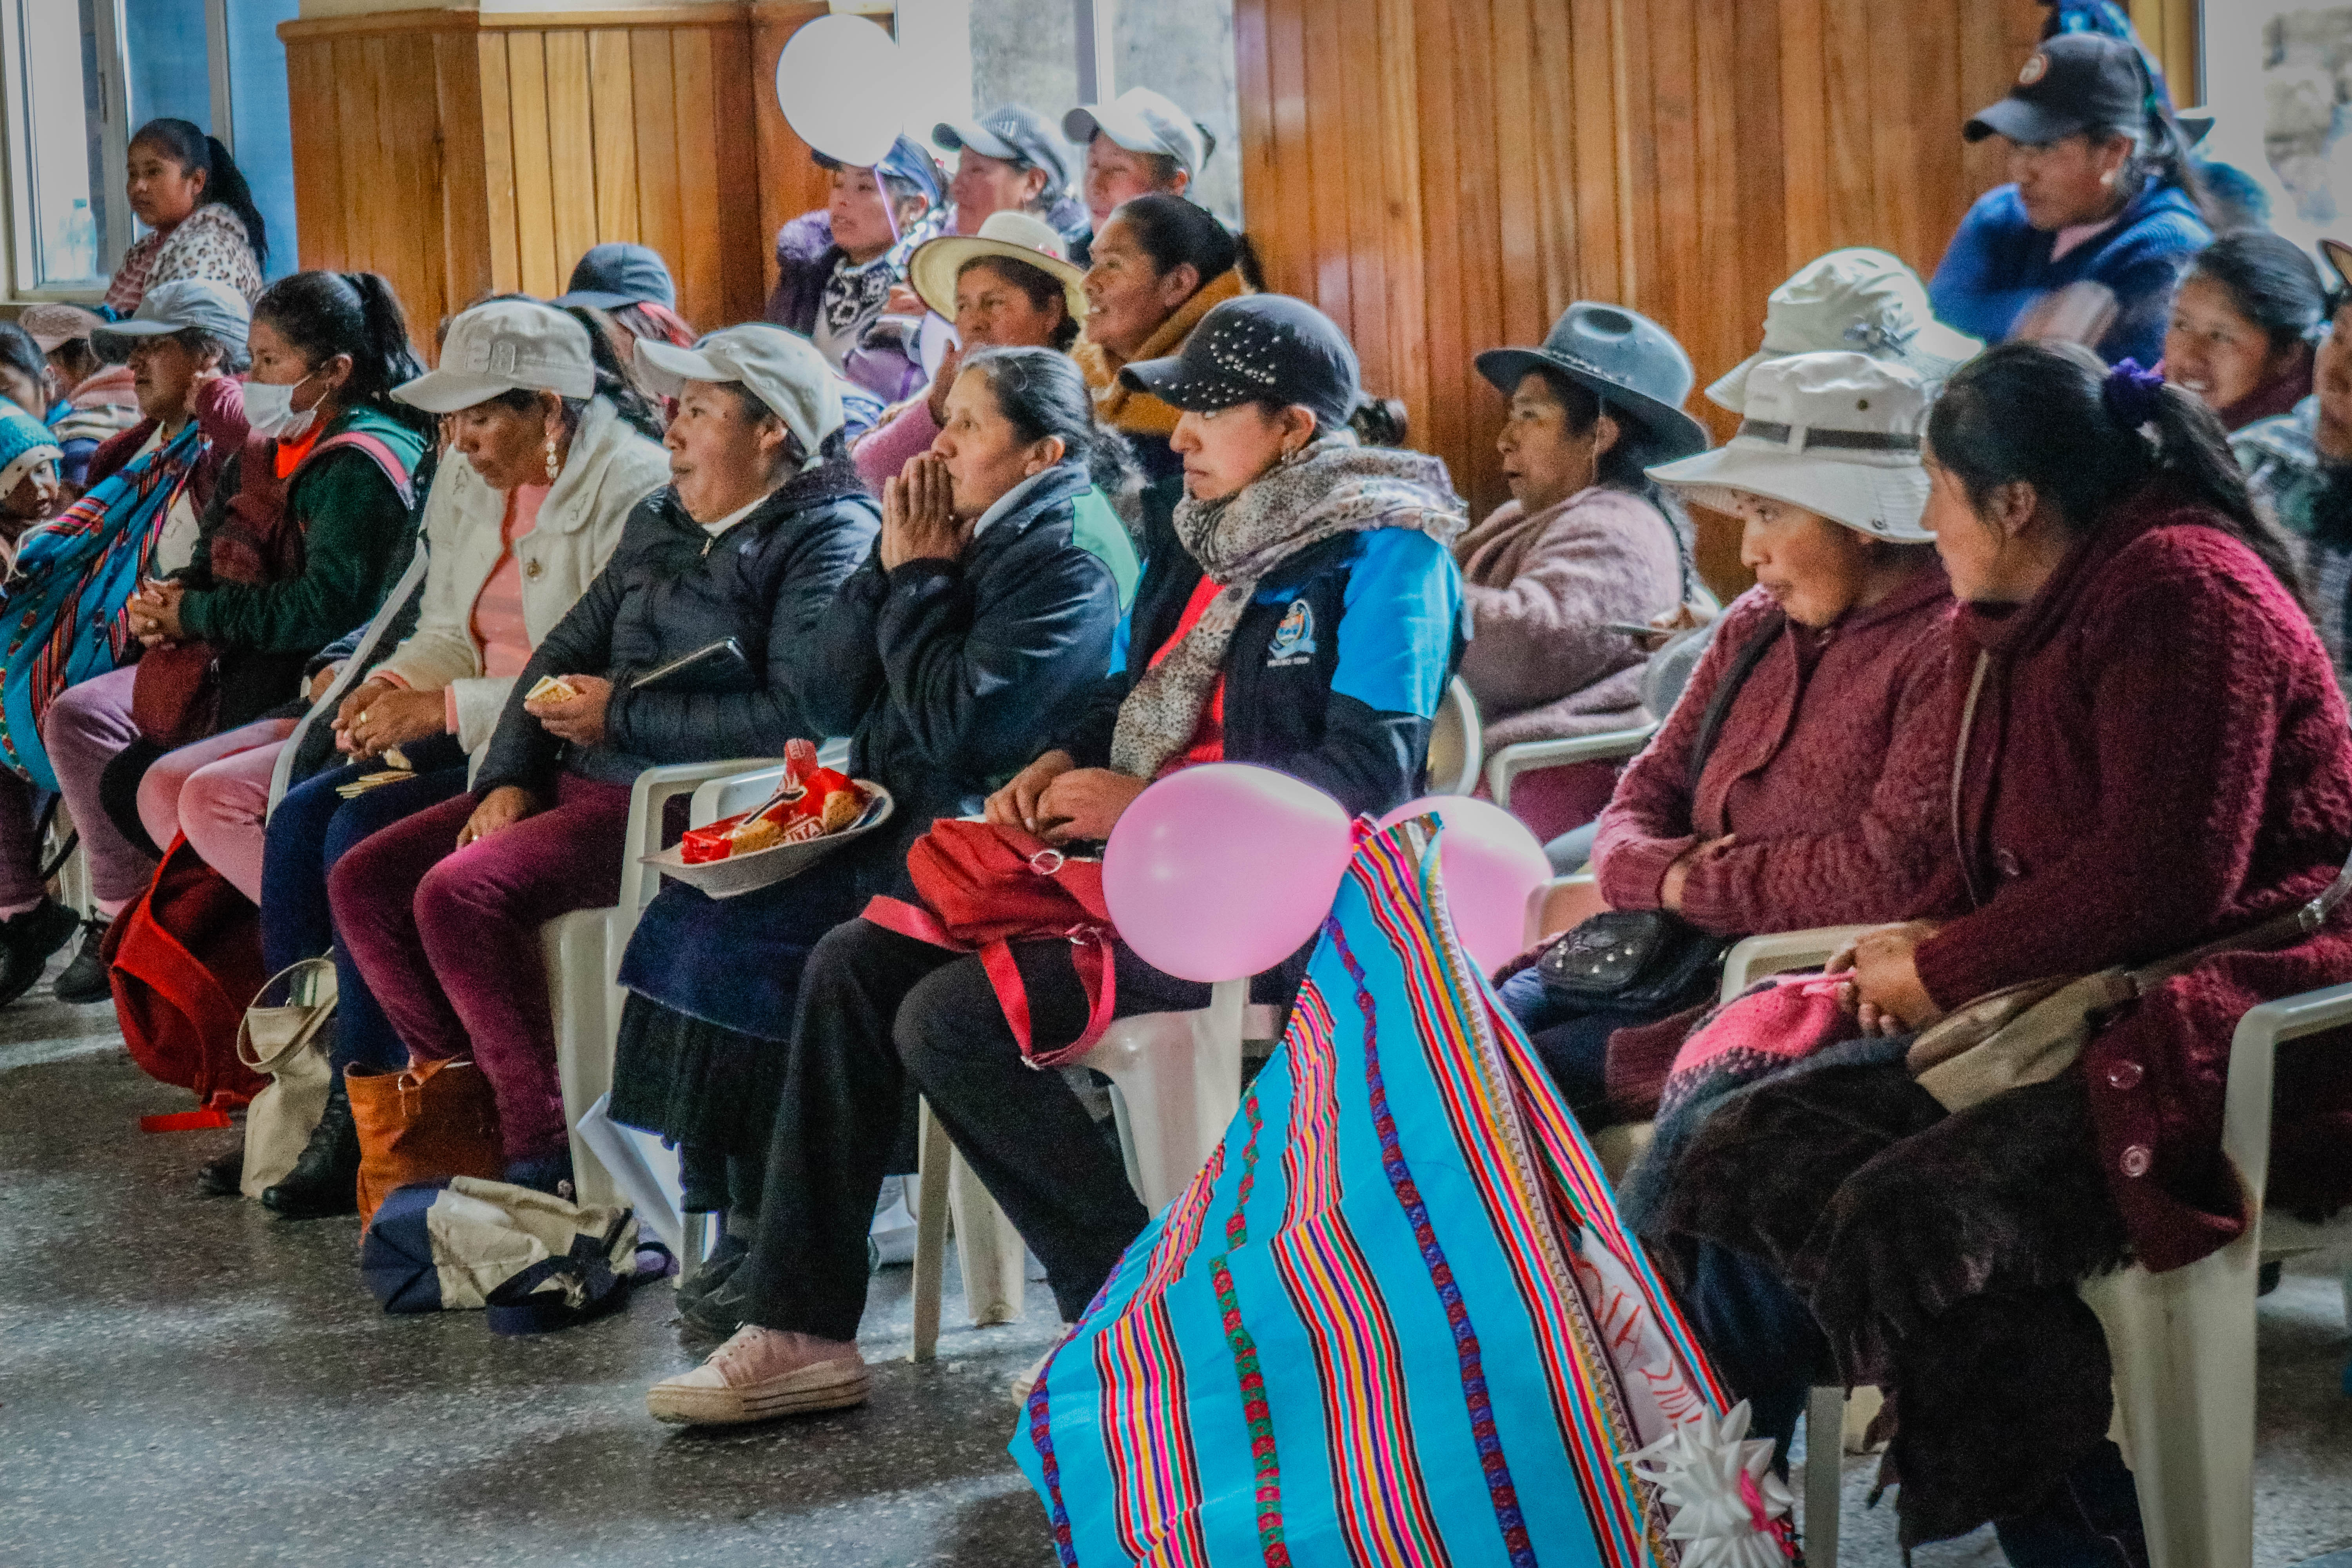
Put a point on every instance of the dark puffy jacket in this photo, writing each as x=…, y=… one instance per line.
x=670, y=589
x=1335, y=672
x=952, y=676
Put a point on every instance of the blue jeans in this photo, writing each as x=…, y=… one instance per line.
x=309, y=831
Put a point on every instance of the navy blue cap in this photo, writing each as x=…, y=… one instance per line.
x=907, y=160
x=1260, y=347
x=615, y=273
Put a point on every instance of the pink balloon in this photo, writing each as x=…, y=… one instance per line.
x=1225, y=869
x=1490, y=866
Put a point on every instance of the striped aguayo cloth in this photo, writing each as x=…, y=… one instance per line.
x=1394, y=1320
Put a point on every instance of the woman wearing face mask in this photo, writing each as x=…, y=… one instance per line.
x=1160, y=265
x=149, y=486
x=2103, y=208
x=1007, y=287
x=1308, y=622
x=762, y=521
x=512, y=546
x=2150, y=754
x=951, y=655
x=1793, y=783
x=1586, y=539
x=2242, y=327
x=302, y=543
x=201, y=221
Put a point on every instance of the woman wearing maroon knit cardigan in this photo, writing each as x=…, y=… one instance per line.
x=2157, y=758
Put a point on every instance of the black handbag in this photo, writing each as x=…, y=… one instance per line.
x=1654, y=960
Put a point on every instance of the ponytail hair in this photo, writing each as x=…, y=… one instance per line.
x=1041, y=393
x=2054, y=417
x=322, y=314
x=195, y=151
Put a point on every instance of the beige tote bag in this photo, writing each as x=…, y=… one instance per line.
x=283, y=1041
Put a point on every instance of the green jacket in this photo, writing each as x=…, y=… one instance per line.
x=357, y=536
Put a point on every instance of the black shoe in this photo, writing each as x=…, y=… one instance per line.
x=716, y=1270
x=26, y=941
x=85, y=980
x=325, y=1179
x=717, y=1312
x=550, y=1174
x=223, y=1177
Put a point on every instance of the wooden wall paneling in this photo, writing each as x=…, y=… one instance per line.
x=1330, y=150
x=742, y=277
x=1363, y=195
x=790, y=182
x=1676, y=289
x=534, y=172
x=1595, y=174
x=1482, y=149
x=1760, y=137
x=411, y=134
x=1644, y=172
x=1441, y=421
x=611, y=116
x=696, y=263
x=1400, y=217
x=1509, y=101
x=1804, y=123
x=466, y=263
x=574, y=174
x=498, y=173
x=358, y=86
x=1851, y=57
x=1295, y=170
x=661, y=218
x=1725, y=257
x=317, y=164
x=1559, y=237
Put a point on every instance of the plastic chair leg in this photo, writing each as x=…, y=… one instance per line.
x=1824, y=1472
x=574, y=948
x=2183, y=1347
x=989, y=1251
x=932, y=1155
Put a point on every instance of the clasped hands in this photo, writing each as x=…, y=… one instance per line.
x=918, y=520
x=1062, y=803
x=1884, y=990
x=154, y=611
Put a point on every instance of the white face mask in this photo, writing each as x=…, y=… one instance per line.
x=270, y=411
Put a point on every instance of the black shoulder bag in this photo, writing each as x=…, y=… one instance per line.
x=1654, y=960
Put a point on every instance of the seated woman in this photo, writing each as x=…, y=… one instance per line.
x=1160, y=264
x=1856, y=299
x=310, y=530
x=1586, y=539
x=199, y=215
x=1287, y=524
x=91, y=399
x=441, y=911
x=2299, y=466
x=1008, y=287
x=148, y=487
x=2157, y=757
x=837, y=271
x=951, y=657
x=1793, y=784
x=2242, y=326
x=2103, y=207
x=511, y=550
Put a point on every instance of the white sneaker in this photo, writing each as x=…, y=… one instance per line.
x=759, y=1374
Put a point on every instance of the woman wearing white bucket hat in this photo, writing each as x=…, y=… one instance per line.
x=1855, y=300
x=1795, y=784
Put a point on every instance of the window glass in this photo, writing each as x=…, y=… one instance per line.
x=58, y=121
x=1024, y=51
x=1185, y=48
x=170, y=73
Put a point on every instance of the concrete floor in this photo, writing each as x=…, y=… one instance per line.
x=188, y=1381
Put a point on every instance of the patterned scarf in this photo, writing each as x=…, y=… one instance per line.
x=1330, y=487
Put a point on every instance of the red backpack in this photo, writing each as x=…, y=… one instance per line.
x=185, y=960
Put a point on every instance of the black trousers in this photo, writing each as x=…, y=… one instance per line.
x=881, y=1016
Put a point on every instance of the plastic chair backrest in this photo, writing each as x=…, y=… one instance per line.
x=1456, y=746
x=1669, y=669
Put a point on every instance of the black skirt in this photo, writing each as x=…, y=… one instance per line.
x=694, y=1083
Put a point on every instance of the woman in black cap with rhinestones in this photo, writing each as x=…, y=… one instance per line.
x=1308, y=622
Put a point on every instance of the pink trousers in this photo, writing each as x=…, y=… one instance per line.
x=217, y=793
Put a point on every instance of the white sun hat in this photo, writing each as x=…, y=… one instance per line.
x=1857, y=300
x=1837, y=434
x=1014, y=236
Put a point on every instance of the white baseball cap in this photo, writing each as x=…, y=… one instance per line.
x=1857, y=300
x=1014, y=236
x=504, y=345
x=1141, y=120
x=214, y=309
x=1837, y=434
x=782, y=369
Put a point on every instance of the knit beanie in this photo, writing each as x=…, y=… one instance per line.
x=24, y=442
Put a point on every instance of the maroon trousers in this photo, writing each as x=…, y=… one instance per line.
x=448, y=939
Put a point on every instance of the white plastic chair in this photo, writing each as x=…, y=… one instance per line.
x=1533, y=756
x=73, y=873
x=583, y=960
x=2182, y=1341
x=1456, y=741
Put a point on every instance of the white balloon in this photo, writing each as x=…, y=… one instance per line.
x=831, y=83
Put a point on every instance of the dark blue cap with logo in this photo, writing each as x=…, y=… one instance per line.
x=1264, y=348
x=615, y=274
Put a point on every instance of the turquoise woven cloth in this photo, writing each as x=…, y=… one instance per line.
x=1394, y=1320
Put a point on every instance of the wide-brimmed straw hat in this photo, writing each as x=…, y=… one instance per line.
x=1837, y=434
x=1632, y=364
x=1010, y=235
x=1859, y=301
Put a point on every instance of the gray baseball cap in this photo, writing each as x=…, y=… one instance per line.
x=783, y=369
x=1141, y=120
x=504, y=345
x=213, y=309
x=1015, y=133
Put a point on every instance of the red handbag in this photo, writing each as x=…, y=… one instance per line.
x=984, y=888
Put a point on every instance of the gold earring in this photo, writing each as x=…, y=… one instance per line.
x=554, y=464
